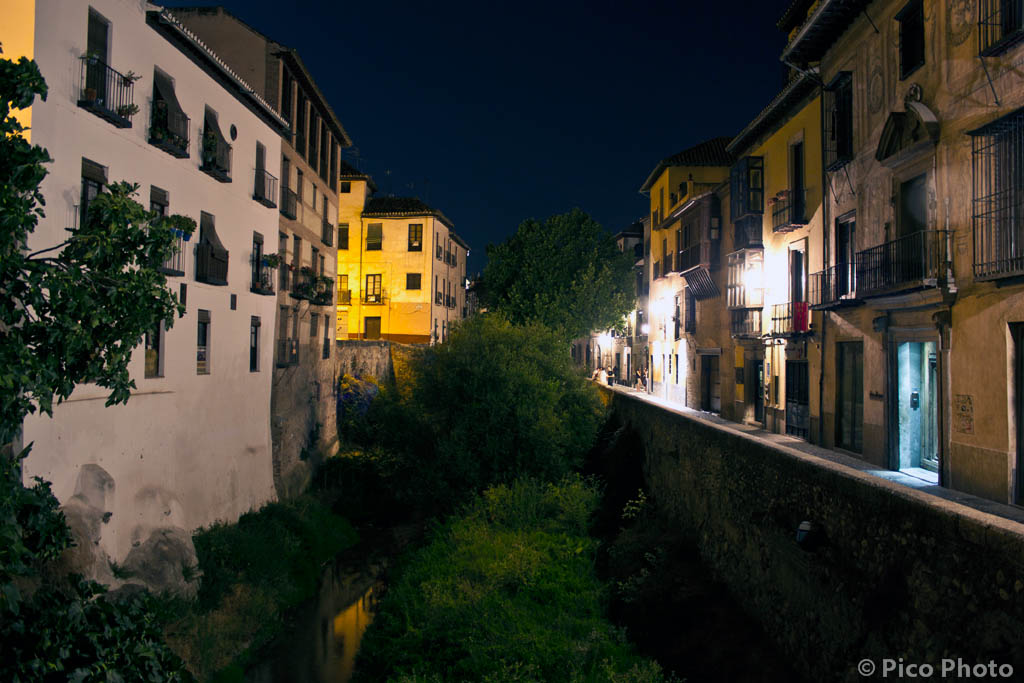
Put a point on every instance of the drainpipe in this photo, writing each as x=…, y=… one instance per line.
x=825, y=225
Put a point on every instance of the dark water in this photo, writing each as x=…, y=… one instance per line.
x=320, y=645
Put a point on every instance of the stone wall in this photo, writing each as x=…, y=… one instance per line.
x=890, y=572
x=364, y=359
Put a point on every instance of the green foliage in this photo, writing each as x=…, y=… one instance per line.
x=280, y=548
x=253, y=572
x=566, y=273
x=495, y=402
x=71, y=312
x=75, y=633
x=505, y=592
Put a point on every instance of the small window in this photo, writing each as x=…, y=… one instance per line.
x=254, y=344
x=372, y=293
x=298, y=184
x=413, y=280
x=203, y=343
x=154, y=351
x=911, y=19
x=415, y=237
x=374, y=236
x=94, y=179
x=314, y=325
x=346, y=186
x=343, y=236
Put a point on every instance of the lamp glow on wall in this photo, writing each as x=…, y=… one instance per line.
x=753, y=277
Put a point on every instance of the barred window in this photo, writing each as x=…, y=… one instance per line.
x=838, y=114
x=998, y=197
x=1000, y=25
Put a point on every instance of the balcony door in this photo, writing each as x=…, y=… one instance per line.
x=846, y=233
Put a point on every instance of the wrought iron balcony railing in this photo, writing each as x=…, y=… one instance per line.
x=921, y=259
x=289, y=203
x=216, y=161
x=834, y=285
x=264, y=188
x=344, y=297
x=1000, y=25
x=789, y=211
x=745, y=322
x=107, y=93
x=791, y=318
x=175, y=265
x=168, y=130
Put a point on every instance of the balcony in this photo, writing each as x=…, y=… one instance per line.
x=790, y=319
x=264, y=188
x=262, y=277
x=211, y=265
x=789, y=210
x=745, y=323
x=289, y=203
x=344, y=297
x=168, y=130
x=107, y=93
x=374, y=299
x=317, y=289
x=287, y=352
x=216, y=157
x=175, y=265
x=327, y=232
x=834, y=286
x=1000, y=26
x=747, y=233
x=919, y=260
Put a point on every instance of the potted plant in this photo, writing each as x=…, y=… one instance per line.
x=129, y=78
x=271, y=260
x=127, y=110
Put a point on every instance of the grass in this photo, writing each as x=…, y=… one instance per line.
x=253, y=572
x=504, y=592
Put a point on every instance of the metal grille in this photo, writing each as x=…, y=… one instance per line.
x=264, y=188
x=998, y=206
x=790, y=318
x=837, y=110
x=918, y=259
x=1000, y=25
x=833, y=284
x=788, y=210
x=107, y=93
x=745, y=322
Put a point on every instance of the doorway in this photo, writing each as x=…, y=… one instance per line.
x=917, y=409
x=758, y=372
x=798, y=394
x=710, y=387
x=372, y=330
x=850, y=396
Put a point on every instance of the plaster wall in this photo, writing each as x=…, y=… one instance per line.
x=187, y=449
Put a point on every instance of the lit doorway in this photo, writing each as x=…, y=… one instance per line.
x=917, y=409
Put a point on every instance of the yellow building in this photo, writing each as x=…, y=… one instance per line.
x=776, y=195
x=684, y=243
x=401, y=267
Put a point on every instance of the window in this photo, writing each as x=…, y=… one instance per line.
x=324, y=153
x=838, y=112
x=154, y=351
x=437, y=242
x=169, y=126
x=335, y=151
x=323, y=266
x=314, y=139
x=911, y=19
x=300, y=124
x=691, y=312
x=374, y=236
x=413, y=280
x=159, y=203
x=998, y=197
x=94, y=179
x=415, y=237
x=746, y=187
x=216, y=152
x=254, y=344
x=314, y=261
x=298, y=184
x=203, y=343
x=211, y=256
x=314, y=325
x=296, y=253
x=1001, y=25
x=282, y=252
x=344, y=294
x=372, y=293
x=346, y=187
x=343, y=236
x=287, y=83
x=261, y=276
x=327, y=340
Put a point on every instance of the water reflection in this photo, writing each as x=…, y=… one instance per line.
x=321, y=644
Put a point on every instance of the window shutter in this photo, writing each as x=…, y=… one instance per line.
x=94, y=172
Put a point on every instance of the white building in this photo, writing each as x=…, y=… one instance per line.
x=192, y=445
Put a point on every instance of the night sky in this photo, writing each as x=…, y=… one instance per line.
x=497, y=113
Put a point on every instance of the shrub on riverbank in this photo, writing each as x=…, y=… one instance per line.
x=252, y=572
x=495, y=402
x=506, y=591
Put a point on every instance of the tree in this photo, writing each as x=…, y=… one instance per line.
x=565, y=273
x=69, y=313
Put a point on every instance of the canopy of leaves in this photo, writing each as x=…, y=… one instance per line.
x=566, y=273
x=71, y=312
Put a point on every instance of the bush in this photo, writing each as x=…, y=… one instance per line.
x=506, y=591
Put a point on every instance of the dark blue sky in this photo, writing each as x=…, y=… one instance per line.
x=497, y=113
